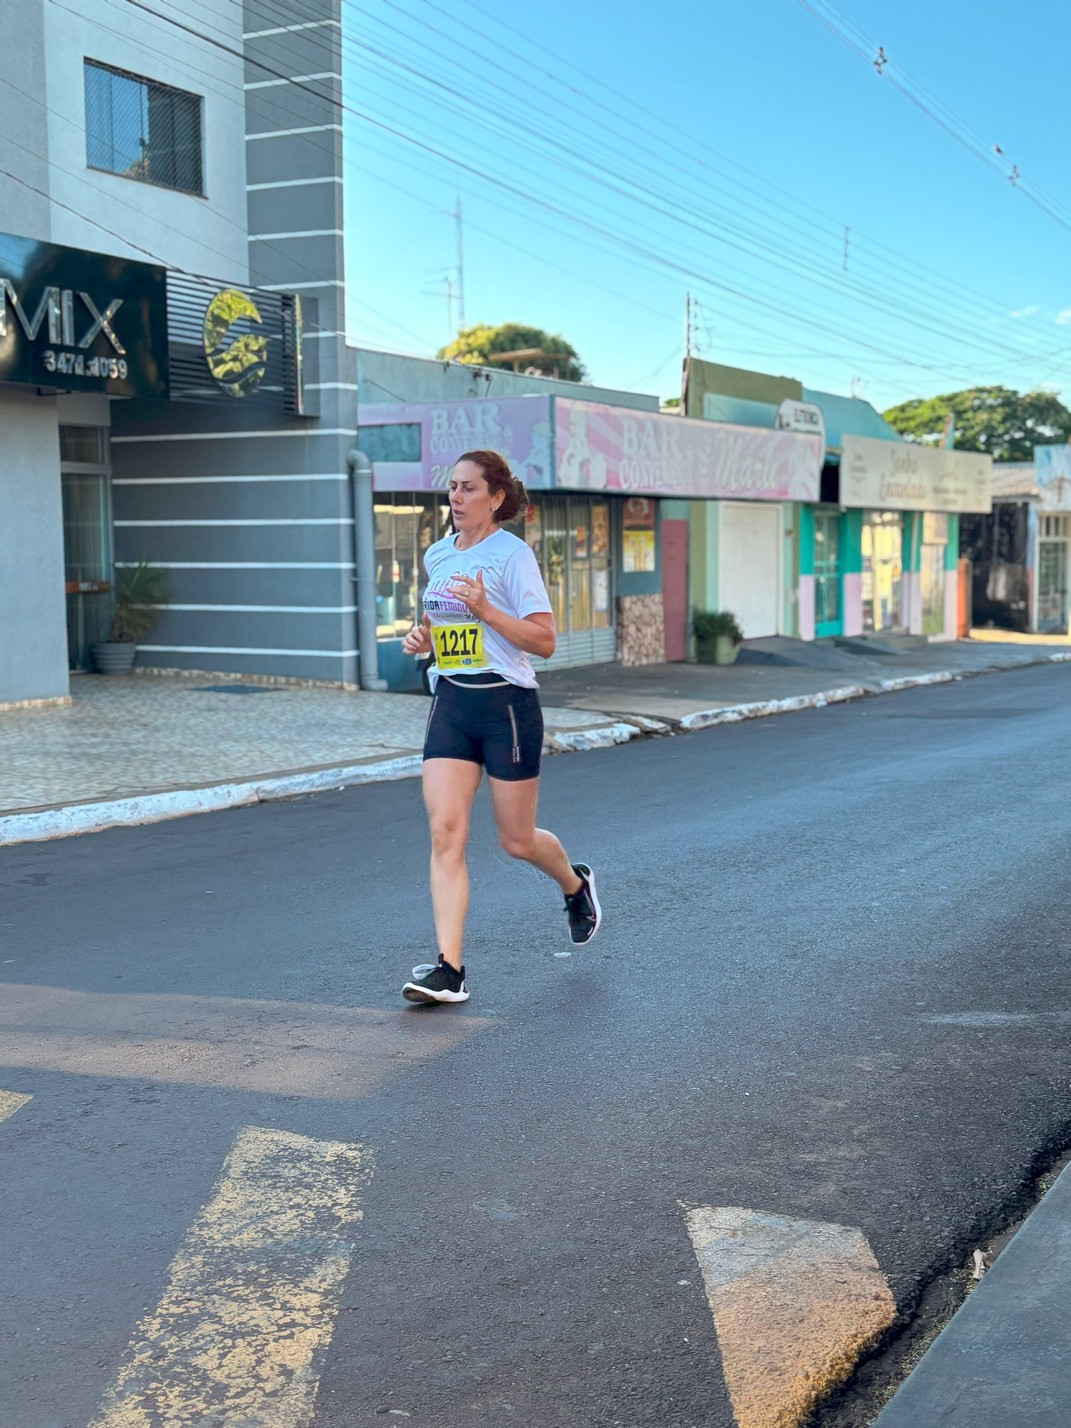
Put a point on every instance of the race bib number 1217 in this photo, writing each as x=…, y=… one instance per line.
x=458, y=646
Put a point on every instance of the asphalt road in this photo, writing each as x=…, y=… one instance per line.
x=833, y=984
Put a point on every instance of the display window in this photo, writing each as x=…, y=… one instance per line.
x=406, y=525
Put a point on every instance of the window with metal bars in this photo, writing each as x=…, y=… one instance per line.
x=142, y=129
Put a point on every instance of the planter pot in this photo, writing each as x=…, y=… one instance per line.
x=721, y=650
x=114, y=658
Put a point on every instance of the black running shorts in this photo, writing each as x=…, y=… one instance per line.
x=496, y=725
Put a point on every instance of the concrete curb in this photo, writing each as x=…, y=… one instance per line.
x=736, y=713
x=603, y=736
x=73, y=818
x=1002, y=1359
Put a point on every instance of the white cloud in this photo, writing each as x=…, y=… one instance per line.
x=1025, y=312
x=1063, y=318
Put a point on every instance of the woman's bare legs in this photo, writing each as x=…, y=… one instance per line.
x=514, y=804
x=449, y=787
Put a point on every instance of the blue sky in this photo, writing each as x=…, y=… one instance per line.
x=612, y=157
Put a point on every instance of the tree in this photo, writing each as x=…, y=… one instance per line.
x=1005, y=424
x=480, y=345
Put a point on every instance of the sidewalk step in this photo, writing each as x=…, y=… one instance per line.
x=1004, y=1360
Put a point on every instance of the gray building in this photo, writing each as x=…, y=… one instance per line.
x=145, y=155
x=182, y=182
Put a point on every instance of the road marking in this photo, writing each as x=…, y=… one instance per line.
x=241, y=1330
x=10, y=1101
x=983, y=1019
x=795, y=1303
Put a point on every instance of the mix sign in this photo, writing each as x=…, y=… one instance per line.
x=83, y=322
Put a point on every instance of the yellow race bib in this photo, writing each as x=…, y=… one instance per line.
x=458, y=646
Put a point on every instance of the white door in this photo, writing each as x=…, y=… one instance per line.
x=750, y=565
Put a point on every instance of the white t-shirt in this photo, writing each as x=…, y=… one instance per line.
x=514, y=585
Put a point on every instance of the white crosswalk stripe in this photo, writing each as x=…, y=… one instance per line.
x=240, y=1332
x=10, y=1102
x=795, y=1303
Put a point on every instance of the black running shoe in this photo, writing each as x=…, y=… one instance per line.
x=582, y=907
x=438, y=983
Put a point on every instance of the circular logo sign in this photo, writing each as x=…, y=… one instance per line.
x=237, y=365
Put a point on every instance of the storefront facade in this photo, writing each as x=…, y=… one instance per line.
x=612, y=491
x=1020, y=553
x=76, y=330
x=122, y=388
x=841, y=571
x=900, y=533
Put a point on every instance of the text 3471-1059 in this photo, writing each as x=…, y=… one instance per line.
x=77, y=364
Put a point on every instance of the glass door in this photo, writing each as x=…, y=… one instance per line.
x=827, y=606
x=883, y=570
x=1052, y=575
x=87, y=540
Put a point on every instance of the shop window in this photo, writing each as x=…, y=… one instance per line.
x=83, y=445
x=142, y=130
x=932, y=571
x=398, y=442
x=571, y=540
x=882, y=578
x=1054, y=605
x=638, y=535
x=406, y=525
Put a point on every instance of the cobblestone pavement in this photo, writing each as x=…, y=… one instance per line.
x=147, y=733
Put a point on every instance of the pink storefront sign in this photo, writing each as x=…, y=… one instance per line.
x=517, y=427
x=601, y=448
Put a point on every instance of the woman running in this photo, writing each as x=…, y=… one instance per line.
x=485, y=611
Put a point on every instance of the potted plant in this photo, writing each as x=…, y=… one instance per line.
x=140, y=591
x=718, y=636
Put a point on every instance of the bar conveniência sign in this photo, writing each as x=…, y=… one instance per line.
x=901, y=476
x=556, y=443
x=603, y=448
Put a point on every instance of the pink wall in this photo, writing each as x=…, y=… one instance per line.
x=806, y=607
x=853, y=604
x=951, y=604
x=912, y=598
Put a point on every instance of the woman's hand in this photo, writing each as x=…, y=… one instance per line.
x=471, y=593
x=418, y=640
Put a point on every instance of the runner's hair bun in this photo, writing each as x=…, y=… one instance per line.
x=495, y=471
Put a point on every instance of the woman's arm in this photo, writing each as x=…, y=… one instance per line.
x=534, y=633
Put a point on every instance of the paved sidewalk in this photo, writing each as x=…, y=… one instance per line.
x=1004, y=1359
x=138, y=748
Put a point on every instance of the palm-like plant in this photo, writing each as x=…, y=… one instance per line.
x=140, y=591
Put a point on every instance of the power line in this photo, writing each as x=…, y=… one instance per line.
x=513, y=189
x=987, y=344
x=992, y=155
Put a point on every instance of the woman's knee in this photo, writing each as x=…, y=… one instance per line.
x=449, y=834
x=517, y=845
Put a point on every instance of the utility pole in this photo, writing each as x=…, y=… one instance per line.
x=450, y=304
x=687, y=324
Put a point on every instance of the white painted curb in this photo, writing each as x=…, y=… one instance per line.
x=604, y=736
x=179, y=803
x=736, y=713
x=915, y=681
